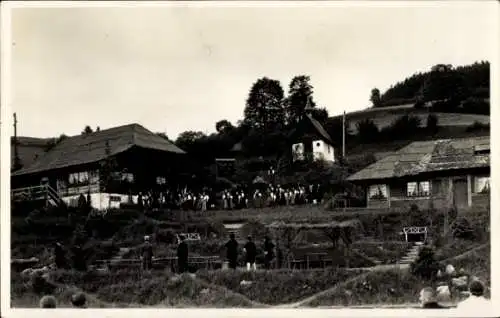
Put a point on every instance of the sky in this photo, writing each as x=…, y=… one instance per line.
x=185, y=67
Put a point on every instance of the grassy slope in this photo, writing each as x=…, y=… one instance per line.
x=384, y=116
x=131, y=288
x=405, y=286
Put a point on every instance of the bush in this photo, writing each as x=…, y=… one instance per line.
x=425, y=266
x=462, y=229
x=278, y=286
x=256, y=229
x=477, y=126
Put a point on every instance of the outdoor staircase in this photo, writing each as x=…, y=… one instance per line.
x=412, y=254
x=41, y=193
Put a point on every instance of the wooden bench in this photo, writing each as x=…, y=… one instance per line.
x=189, y=236
x=411, y=230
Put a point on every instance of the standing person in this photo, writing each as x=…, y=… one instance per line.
x=268, y=252
x=182, y=255
x=232, y=251
x=279, y=255
x=60, y=256
x=147, y=254
x=251, y=254
x=79, y=259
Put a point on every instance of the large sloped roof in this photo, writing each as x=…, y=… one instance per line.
x=83, y=149
x=29, y=149
x=429, y=156
x=307, y=122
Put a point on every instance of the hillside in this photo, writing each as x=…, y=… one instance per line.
x=442, y=81
x=385, y=116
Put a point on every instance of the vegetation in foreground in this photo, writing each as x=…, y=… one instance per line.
x=400, y=286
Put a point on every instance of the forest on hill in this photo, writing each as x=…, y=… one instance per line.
x=464, y=89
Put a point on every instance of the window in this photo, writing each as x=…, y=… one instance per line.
x=378, y=192
x=418, y=189
x=125, y=177
x=161, y=180
x=481, y=184
x=115, y=198
x=62, y=184
x=94, y=177
x=128, y=177
x=78, y=178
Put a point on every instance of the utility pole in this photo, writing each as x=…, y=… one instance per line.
x=17, y=160
x=343, y=135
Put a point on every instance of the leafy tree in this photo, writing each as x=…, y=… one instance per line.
x=54, y=142
x=367, y=130
x=402, y=127
x=300, y=93
x=163, y=135
x=87, y=130
x=108, y=166
x=223, y=126
x=320, y=114
x=187, y=139
x=432, y=123
x=375, y=98
x=425, y=266
x=264, y=106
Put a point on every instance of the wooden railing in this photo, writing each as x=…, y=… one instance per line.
x=35, y=193
x=208, y=262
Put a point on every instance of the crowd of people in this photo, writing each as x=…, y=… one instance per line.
x=234, y=198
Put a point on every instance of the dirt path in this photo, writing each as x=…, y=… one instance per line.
x=466, y=253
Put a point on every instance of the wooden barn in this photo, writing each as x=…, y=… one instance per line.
x=430, y=174
x=112, y=166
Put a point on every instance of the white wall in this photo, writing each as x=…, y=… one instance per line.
x=323, y=151
x=101, y=201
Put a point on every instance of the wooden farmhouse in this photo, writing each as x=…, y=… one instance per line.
x=112, y=166
x=437, y=174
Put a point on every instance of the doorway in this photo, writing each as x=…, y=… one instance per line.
x=460, y=193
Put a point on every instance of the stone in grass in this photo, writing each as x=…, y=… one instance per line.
x=175, y=279
x=443, y=293
x=205, y=291
x=48, y=301
x=450, y=270
x=246, y=283
x=459, y=282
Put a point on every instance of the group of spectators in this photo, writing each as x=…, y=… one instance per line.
x=250, y=250
x=474, y=302
x=232, y=253
x=258, y=196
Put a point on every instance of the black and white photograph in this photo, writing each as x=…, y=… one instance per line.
x=248, y=155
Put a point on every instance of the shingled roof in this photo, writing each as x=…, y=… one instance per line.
x=309, y=120
x=29, y=149
x=428, y=156
x=84, y=149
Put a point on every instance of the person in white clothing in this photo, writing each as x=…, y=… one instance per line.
x=476, y=300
